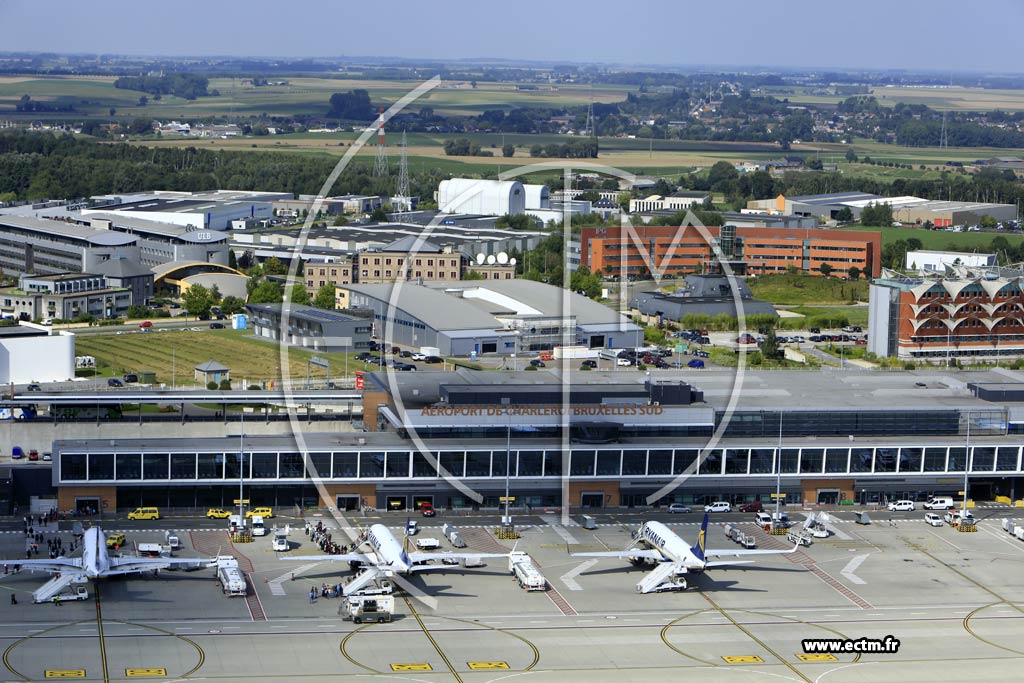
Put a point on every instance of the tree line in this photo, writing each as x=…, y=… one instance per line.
x=184, y=85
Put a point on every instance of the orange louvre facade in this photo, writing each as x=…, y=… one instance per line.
x=679, y=250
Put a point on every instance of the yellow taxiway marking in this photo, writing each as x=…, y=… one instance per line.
x=817, y=657
x=411, y=667
x=141, y=673
x=743, y=659
x=487, y=665
x=65, y=673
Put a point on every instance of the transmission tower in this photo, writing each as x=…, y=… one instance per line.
x=944, y=137
x=402, y=198
x=380, y=164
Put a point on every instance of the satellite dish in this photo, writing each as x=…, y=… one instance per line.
x=502, y=258
x=480, y=259
x=491, y=260
x=512, y=261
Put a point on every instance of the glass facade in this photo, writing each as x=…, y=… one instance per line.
x=593, y=461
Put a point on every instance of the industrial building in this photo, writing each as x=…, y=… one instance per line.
x=161, y=243
x=679, y=250
x=613, y=438
x=490, y=197
x=209, y=210
x=47, y=246
x=311, y=328
x=677, y=201
x=33, y=353
x=927, y=262
x=500, y=317
x=906, y=210
x=328, y=206
x=706, y=295
x=969, y=314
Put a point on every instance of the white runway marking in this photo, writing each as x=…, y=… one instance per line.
x=277, y=585
x=851, y=567
x=569, y=578
x=553, y=522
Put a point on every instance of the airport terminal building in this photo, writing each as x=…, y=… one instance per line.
x=610, y=438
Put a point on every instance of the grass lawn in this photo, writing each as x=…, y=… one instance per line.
x=249, y=358
x=826, y=317
x=807, y=289
x=944, y=241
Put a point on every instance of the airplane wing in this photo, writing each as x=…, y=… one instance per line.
x=60, y=564
x=740, y=553
x=132, y=565
x=417, y=556
x=625, y=554
x=346, y=557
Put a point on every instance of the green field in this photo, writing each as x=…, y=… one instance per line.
x=940, y=240
x=247, y=357
x=944, y=97
x=830, y=317
x=807, y=289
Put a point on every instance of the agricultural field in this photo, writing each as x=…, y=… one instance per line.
x=936, y=97
x=250, y=359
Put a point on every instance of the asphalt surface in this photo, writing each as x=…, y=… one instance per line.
x=953, y=601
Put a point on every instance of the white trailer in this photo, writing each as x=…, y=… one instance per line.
x=578, y=352
x=521, y=566
x=231, y=578
x=430, y=351
x=154, y=550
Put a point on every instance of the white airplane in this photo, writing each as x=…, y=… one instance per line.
x=656, y=543
x=96, y=563
x=385, y=558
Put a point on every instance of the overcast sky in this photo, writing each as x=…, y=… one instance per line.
x=945, y=35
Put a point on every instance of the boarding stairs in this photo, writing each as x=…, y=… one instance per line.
x=53, y=587
x=657, y=576
x=360, y=580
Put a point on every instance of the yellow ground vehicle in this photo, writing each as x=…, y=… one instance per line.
x=266, y=513
x=115, y=540
x=144, y=513
x=217, y=513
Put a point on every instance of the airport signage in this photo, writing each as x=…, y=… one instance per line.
x=541, y=411
x=243, y=501
x=507, y=499
x=781, y=496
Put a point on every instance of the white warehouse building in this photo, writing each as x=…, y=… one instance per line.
x=925, y=261
x=33, y=353
x=484, y=197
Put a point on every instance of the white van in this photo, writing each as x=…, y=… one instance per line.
x=718, y=506
x=763, y=519
x=933, y=519
x=939, y=503
x=258, y=529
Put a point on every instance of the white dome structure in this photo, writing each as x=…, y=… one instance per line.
x=487, y=197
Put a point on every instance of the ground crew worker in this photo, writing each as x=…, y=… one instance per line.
x=14, y=600
x=56, y=600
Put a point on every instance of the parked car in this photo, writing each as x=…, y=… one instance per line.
x=696, y=363
x=217, y=513
x=17, y=453
x=145, y=323
x=47, y=457
x=405, y=354
x=362, y=355
x=216, y=326
x=589, y=363
x=131, y=378
x=623, y=362
x=815, y=330
x=679, y=507
x=901, y=506
x=433, y=359
x=33, y=454
x=419, y=356
x=33, y=387
x=427, y=509
x=933, y=519
x=752, y=506
x=114, y=382
x=396, y=350
x=718, y=506
x=537, y=363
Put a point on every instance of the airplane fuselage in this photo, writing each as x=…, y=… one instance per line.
x=667, y=542
x=391, y=555
x=95, y=560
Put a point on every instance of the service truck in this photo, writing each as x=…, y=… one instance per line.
x=280, y=543
x=521, y=566
x=258, y=527
x=154, y=550
x=373, y=603
x=231, y=579
x=172, y=539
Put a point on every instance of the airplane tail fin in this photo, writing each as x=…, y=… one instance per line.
x=698, y=547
